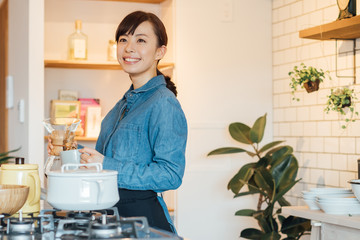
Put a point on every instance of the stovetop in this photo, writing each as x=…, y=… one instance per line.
x=54, y=224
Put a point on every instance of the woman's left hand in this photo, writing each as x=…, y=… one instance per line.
x=90, y=155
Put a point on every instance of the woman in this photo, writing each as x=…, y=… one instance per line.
x=144, y=136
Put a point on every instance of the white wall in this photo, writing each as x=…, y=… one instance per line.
x=26, y=34
x=327, y=154
x=223, y=70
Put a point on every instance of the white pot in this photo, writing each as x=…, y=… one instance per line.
x=82, y=189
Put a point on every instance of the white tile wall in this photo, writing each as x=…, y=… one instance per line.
x=327, y=154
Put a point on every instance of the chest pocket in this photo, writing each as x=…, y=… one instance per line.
x=126, y=141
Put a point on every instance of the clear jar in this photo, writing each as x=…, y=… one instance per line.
x=112, y=55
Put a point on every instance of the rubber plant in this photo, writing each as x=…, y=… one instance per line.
x=339, y=100
x=307, y=77
x=4, y=157
x=271, y=176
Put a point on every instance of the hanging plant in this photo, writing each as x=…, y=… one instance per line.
x=306, y=77
x=339, y=100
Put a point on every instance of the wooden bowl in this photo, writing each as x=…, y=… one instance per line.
x=12, y=198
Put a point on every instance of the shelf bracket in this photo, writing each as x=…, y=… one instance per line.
x=354, y=60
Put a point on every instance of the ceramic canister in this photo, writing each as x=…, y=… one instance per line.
x=24, y=174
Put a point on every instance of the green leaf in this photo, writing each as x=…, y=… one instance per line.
x=284, y=190
x=245, y=212
x=226, y=150
x=279, y=155
x=251, y=233
x=269, y=145
x=295, y=226
x=257, y=131
x=246, y=193
x=6, y=153
x=265, y=181
x=241, y=178
x=271, y=236
x=284, y=171
x=283, y=202
x=240, y=132
x=281, y=218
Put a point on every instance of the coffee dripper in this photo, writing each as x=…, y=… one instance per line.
x=62, y=133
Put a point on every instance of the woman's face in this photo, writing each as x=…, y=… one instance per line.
x=138, y=53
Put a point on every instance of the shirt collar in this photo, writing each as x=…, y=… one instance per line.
x=152, y=83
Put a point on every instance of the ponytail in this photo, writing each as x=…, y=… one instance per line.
x=169, y=84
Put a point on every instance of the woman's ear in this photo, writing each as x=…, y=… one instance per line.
x=160, y=52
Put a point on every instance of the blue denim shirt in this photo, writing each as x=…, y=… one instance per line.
x=147, y=145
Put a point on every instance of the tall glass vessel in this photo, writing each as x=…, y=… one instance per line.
x=78, y=43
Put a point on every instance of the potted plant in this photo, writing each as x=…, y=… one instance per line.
x=339, y=100
x=306, y=77
x=271, y=177
x=4, y=157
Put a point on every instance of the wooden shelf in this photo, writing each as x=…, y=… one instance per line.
x=342, y=29
x=90, y=65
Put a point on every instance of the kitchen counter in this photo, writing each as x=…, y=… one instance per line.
x=318, y=215
x=327, y=226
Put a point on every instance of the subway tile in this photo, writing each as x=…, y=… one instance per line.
x=336, y=128
x=290, y=27
x=309, y=5
x=284, y=13
x=322, y=96
x=303, y=144
x=278, y=29
x=276, y=129
x=289, y=55
x=345, y=177
x=275, y=15
x=324, y=129
x=275, y=43
x=331, y=145
x=297, y=129
x=316, y=50
x=316, y=18
x=284, y=42
x=295, y=41
x=325, y=3
x=353, y=129
x=297, y=95
x=284, y=100
x=347, y=145
x=331, y=178
x=303, y=53
x=309, y=160
x=339, y=162
x=310, y=128
x=316, y=113
x=303, y=22
x=276, y=72
x=303, y=114
x=278, y=115
x=277, y=3
x=296, y=9
x=324, y=160
x=284, y=129
x=316, y=144
x=304, y=173
x=278, y=57
x=330, y=14
x=278, y=86
x=276, y=101
x=290, y=114
x=352, y=164
x=317, y=176
x=310, y=99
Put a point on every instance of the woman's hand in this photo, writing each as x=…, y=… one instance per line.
x=90, y=155
x=50, y=147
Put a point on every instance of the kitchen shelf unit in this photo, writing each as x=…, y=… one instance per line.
x=137, y=1
x=345, y=29
x=90, y=65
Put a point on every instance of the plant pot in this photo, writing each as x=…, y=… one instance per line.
x=347, y=105
x=311, y=86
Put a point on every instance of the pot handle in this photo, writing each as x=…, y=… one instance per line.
x=37, y=189
x=100, y=186
x=67, y=165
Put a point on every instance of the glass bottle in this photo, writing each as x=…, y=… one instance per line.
x=112, y=55
x=78, y=43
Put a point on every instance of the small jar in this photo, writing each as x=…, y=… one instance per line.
x=112, y=55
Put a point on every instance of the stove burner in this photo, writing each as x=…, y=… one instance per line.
x=108, y=230
x=20, y=226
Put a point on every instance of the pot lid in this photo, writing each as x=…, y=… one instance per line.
x=11, y=166
x=66, y=171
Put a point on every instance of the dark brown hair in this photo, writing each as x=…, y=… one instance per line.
x=128, y=26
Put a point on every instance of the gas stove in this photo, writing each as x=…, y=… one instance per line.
x=54, y=224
